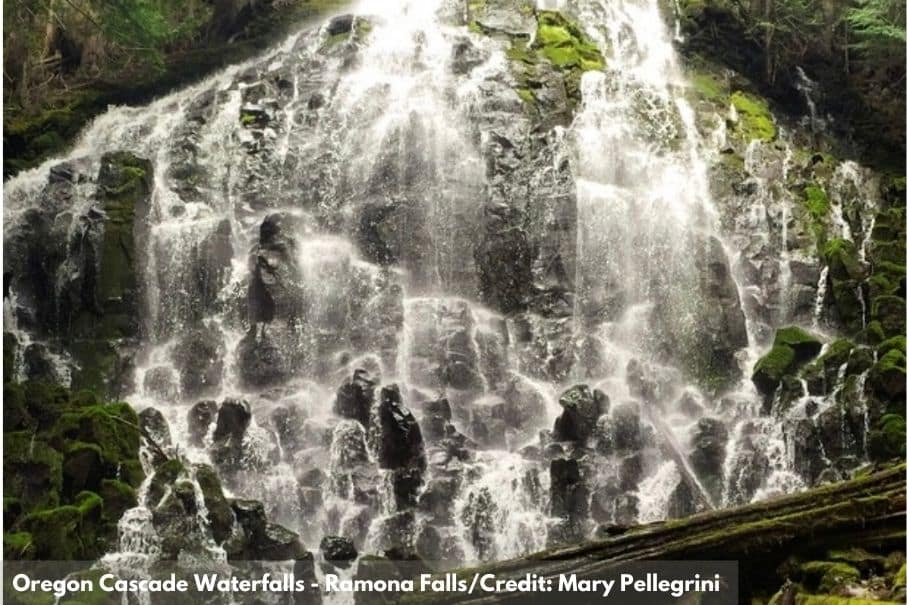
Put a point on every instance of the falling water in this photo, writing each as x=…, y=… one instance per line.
x=316, y=211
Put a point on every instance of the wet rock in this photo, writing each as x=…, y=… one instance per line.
x=338, y=550
x=199, y=356
x=394, y=232
x=341, y=24
x=220, y=514
x=682, y=503
x=626, y=426
x=630, y=472
x=399, y=439
x=792, y=348
x=709, y=443
x=478, y=516
x=155, y=425
x=569, y=496
x=348, y=446
x=161, y=383
x=582, y=408
x=504, y=259
x=465, y=56
x=287, y=423
x=274, y=286
x=262, y=363
x=276, y=543
x=233, y=419
x=355, y=398
x=199, y=419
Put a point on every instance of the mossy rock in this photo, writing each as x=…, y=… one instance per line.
x=564, y=44
x=32, y=470
x=863, y=560
x=805, y=345
x=164, y=476
x=828, y=576
x=843, y=260
x=118, y=497
x=754, y=118
x=887, y=439
x=220, y=515
x=889, y=311
x=83, y=468
x=18, y=546
x=15, y=408
x=772, y=367
x=887, y=377
x=58, y=534
x=792, y=348
x=113, y=428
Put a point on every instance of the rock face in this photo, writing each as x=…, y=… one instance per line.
x=793, y=347
x=582, y=408
x=399, y=438
x=355, y=398
x=569, y=499
x=82, y=285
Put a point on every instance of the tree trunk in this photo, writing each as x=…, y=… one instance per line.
x=868, y=512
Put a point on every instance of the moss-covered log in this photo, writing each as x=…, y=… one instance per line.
x=868, y=511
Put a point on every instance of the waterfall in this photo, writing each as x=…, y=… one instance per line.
x=354, y=210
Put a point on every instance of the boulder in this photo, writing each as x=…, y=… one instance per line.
x=398, y=436
x=199, y=419
x=199, y=356
x=569, y=496
x=338, y=550
x=582, y=408
x=262, y=362
x=155, y=425
x=355, y=398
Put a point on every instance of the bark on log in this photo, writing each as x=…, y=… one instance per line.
x=868, y=512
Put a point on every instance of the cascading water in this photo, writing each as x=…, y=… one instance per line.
x=316, y=220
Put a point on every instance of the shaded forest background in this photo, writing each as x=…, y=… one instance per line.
x=67, y=60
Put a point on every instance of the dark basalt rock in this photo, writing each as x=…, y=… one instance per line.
x=199, y=356
x=274, y=285
x=504, y=260
x=710, y=439
x=582, y=408
x=341, y=24
x=155, y=425
x=233, y=419
x=569, y=497
x=399, y=438
x=287, y=423
x=355, y=398
x=199, y=418
x=338, y=550
x=161, y=383
x=262, y=363
x=625, y=423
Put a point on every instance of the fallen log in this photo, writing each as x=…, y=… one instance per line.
x=867, y=511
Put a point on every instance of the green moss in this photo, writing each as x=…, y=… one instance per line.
x=526, y=95
x=563, y=43
x=17, y=545
x=817, y=202
x=889, y=311
x=798, y=338
x=887, y=440
x=811, y=599
x=707, y=87
x=118, y=497
x=829, y=575
x=32, y=470
x=754, y=118
x=772, y=367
